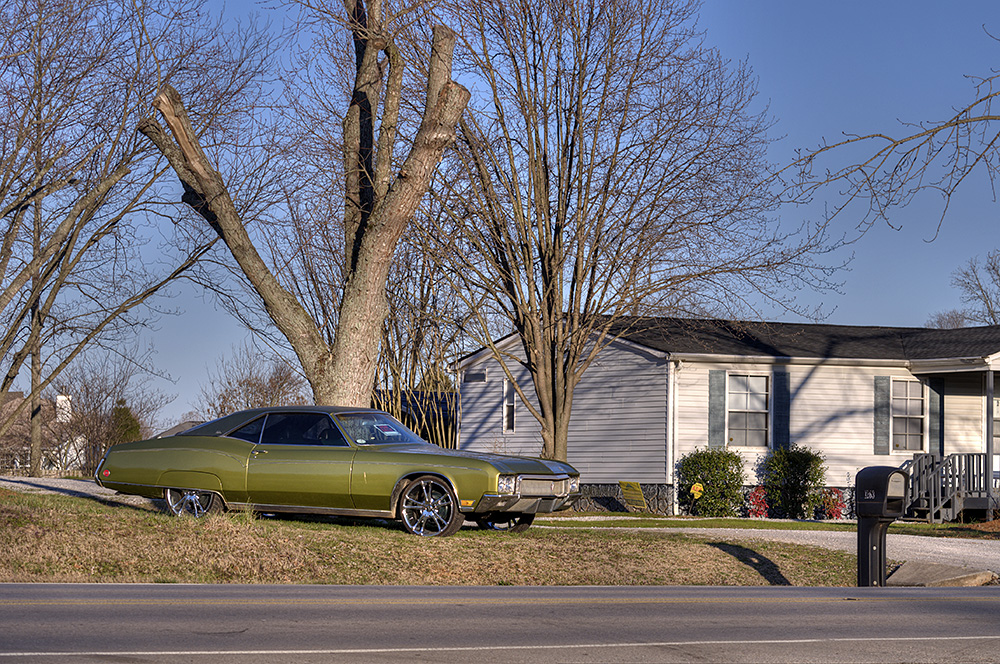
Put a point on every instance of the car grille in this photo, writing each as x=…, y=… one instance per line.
x=544, y=487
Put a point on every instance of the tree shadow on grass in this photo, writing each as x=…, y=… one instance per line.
x=762, y=564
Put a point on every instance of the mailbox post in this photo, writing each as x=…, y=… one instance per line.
x=880, y=494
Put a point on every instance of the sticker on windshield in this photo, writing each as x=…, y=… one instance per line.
x=386, y=429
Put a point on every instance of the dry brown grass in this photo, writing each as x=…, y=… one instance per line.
x=55, y=538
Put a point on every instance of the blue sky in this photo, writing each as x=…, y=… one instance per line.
x=823, y=68
x=826, y=68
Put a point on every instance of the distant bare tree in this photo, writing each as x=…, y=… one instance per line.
x=247, y=380
x=948, y=320
x=613, y=166
x=978, y=283
x=99, y=388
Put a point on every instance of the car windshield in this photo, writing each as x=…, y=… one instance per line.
x=370, y=428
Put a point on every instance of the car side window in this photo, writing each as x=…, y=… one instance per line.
x=250, y=432
x=301, y=429
x=372, y=427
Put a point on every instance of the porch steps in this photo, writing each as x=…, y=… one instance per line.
x=942, y=488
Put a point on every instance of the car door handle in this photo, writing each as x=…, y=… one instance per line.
x=256, y=452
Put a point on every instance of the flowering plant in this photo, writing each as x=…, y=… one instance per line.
x=832, y=503
x=757, y=503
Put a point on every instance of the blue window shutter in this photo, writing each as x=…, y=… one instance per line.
x=935, y=410
x=881, y=410
x=780, y=434
x=717, y=409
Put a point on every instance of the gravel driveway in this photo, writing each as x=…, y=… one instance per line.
x=976, y=554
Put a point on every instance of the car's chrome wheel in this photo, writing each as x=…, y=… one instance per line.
x=195, y=503
x=515, y=522
x=428, y=507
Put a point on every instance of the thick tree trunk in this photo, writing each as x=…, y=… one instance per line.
x=375, y=217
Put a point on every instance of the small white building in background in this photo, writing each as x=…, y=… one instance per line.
x=664, y=387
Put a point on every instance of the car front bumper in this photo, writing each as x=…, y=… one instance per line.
x=524, y=504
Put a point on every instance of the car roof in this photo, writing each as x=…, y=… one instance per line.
x=227, y=423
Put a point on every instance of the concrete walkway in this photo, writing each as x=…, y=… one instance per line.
x=973, y=553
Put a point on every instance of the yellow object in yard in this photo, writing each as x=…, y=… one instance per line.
x=696, y=490
x=632, y=493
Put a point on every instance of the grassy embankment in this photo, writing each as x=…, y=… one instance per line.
x=64, y=539
x=59, y=538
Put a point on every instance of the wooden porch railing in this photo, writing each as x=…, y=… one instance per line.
x=941, y=487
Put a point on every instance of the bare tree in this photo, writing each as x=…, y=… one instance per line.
x=421, y=334
x=978, y=282
x=926, y=156
x=99, y=388
x=380, y=196
x=614, y=167
x=79, y=192
x=243, y=380
x=948, y=320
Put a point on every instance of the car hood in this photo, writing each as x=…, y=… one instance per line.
x=502, y=462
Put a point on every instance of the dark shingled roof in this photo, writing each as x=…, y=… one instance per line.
x=805, y=340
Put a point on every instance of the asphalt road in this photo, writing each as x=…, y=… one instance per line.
x=255, y=624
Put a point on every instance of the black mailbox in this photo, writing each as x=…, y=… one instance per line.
x=880, y=492
x=879, y=499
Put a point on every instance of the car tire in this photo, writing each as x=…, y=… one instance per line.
x=515, y=522
x=429, y=508
x=189, y=502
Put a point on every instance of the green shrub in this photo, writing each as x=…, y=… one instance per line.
x=793, y=479
x=720, y=473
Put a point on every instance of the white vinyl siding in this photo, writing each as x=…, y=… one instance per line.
x=964, y=414
x=618, y=424
x=831, y=412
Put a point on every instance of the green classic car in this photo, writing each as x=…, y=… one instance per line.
x=356, y=462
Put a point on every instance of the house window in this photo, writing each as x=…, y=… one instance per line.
x=996, y=423
x=509, y=397
x=475, y=376
x=908, y=410
x=749, y=406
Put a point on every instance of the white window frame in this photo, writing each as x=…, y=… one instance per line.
x=508, y=407
x=768, y=412
x=924, y=417
x=996, y=422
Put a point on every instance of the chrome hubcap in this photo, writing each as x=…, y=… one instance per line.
x=187, y=502
x=427, y=508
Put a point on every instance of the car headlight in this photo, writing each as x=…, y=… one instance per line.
x=574, y=484
x=507, y=484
